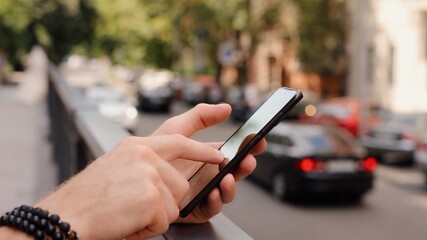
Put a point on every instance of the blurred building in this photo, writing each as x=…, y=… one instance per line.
x=388, y=49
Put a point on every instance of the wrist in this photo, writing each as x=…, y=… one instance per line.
x=38, y=223
x=65, y=215
x=11, y=233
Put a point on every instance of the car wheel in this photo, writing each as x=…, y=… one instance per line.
x=279, y=186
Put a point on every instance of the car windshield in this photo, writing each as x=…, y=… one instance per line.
x=333, y=110
x=326, y=141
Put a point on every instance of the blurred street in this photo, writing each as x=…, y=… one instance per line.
x=395, y=209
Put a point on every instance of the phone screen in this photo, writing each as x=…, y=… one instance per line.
x=273, y=108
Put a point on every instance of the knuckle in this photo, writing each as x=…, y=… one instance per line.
x=163, y=226
x=144, y=153
x=180, y=141
x=174, y=214
x=129, y=140
x=181, y=189
x=178, y=137
x=152, y=195
x=151, y=173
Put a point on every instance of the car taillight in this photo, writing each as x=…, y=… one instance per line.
x=369, y=164
x=309, y=165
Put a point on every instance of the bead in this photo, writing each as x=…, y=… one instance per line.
x=38, y=210
x=21, y=214
x=38, y=234
x=43, y=223
x=64, y=226
x=31, y=228
x=25, y=208
x=11, y=218
x=6, y=219
x=38, y=223
x=17, y=222
x=15, y=212
x=2, y=220
x=35, y=219
x=54, y=219
x=44, y=214
x=24, y=225
x=57, y=236
x=72, y=235
x=50, y=229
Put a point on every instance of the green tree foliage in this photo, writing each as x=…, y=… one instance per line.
x=14, y=38
x=57, y=25
x=157, y=32
x=321, y=34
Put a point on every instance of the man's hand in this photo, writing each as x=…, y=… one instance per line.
x=131, y=192
x=187, y=124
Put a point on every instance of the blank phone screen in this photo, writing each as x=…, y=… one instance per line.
x=271, y=107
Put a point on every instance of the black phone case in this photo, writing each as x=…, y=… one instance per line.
x=234, y=163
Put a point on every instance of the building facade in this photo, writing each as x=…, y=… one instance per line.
x=388, y=49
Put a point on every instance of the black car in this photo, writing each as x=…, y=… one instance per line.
x=195, y=92
x=155, y=91
x=302, y=159
x=244, y=101
x=155, y=100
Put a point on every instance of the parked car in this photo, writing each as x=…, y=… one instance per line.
x=113, y=105
x=202, y=89
x=340, y=111
x=155, y=91
x=420, y=155
x=305, y=159
x=394, y=140
x=244, y=102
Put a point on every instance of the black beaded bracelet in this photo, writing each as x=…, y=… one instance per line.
x=38, y=223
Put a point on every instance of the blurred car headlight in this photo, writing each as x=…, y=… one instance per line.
x=131, y=113
x=310, y=110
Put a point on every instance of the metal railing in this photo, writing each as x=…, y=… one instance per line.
x=81, y=134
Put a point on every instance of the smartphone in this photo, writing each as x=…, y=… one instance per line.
x=240, y=144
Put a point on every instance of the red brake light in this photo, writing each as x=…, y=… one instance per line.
x=370, y=164
x=307, y=165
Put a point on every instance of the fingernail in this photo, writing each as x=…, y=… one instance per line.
x=220, y=155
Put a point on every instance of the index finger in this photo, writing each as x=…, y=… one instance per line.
x=200, y=117
x=176, y=146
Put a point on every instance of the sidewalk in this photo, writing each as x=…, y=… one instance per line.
x=26, y=169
